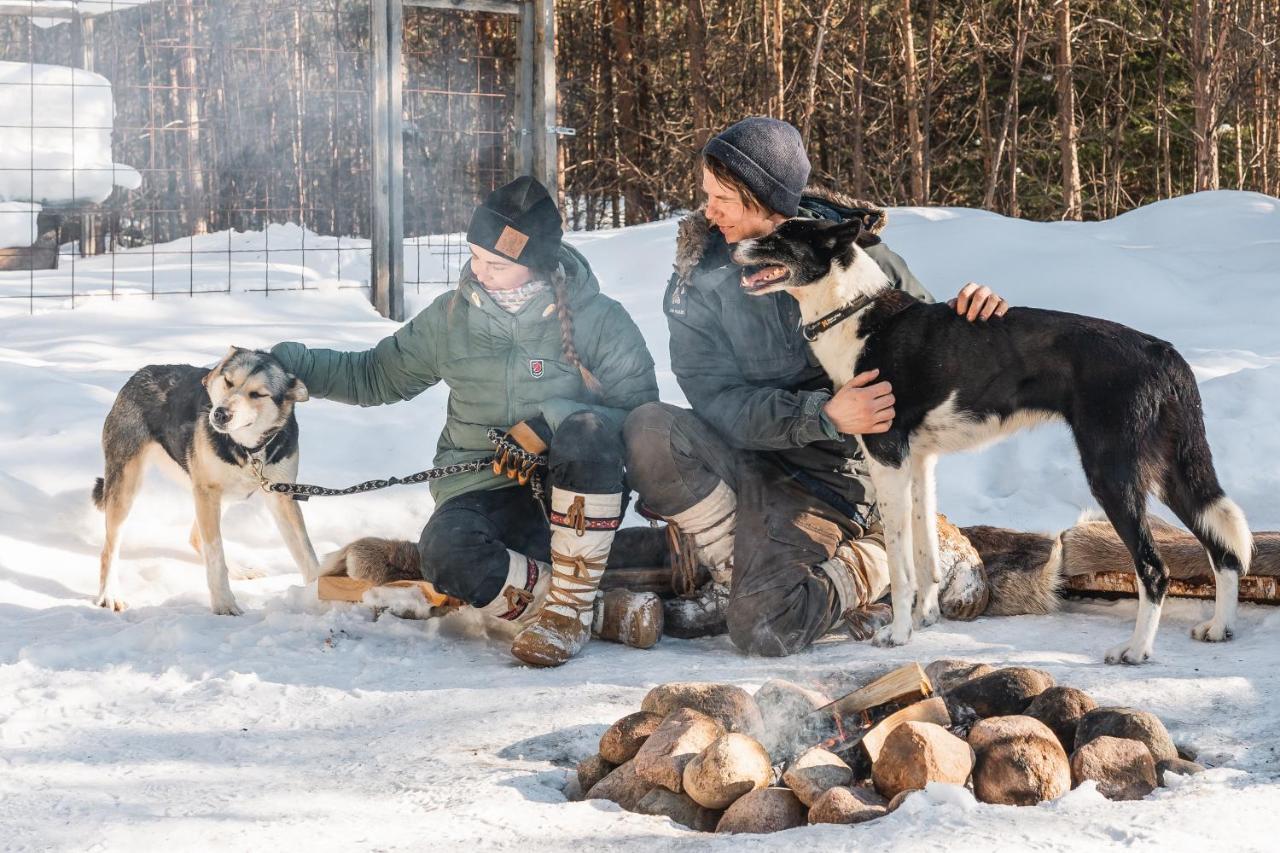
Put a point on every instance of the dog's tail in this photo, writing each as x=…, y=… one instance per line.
x=1189, y=483
x=99, y=492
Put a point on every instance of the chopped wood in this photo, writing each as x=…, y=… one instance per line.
x=342, y=588
x=905, y=684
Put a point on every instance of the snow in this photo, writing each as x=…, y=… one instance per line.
x=55, y=142
x=18, y=224
x=307, y=724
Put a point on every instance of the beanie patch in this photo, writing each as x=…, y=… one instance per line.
x=510, y=242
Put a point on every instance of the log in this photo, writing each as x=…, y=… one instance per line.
x=1095, y=561
x=342, y=588
x=841, y=726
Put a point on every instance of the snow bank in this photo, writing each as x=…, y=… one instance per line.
x=55, y=142
x=307, y=725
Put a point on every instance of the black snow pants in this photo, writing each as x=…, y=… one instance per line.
x=778, y=604
x=464, y=543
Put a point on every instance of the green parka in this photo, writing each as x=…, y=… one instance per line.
x=501, y=368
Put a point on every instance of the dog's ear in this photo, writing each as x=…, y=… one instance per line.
x=297, y=392
x=843, y=233
x=217, y=368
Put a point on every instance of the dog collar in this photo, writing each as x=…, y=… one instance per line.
x=822, y=324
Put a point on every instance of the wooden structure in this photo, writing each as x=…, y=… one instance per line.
x=538, y=130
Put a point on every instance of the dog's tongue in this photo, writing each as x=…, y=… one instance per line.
x=756, y=276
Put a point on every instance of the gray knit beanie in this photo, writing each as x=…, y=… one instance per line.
x=768, y=156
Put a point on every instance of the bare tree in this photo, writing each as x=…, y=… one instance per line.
x=1064, y=80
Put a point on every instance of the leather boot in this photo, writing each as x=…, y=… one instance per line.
x=582, y=531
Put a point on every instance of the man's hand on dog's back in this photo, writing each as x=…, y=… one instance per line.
x=862, y=406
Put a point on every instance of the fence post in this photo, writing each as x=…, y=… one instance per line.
x=545, y=126
x=386, y=261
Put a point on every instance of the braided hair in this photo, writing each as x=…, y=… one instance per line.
x=567, y=346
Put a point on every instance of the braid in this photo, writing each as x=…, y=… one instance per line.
x=566, y=333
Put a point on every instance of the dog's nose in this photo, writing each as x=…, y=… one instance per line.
x=221, y=416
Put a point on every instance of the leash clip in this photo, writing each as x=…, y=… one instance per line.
x=255, y=463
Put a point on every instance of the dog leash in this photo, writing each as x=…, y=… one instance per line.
x=528, y=464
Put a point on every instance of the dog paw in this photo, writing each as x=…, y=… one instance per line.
x=892, y=635
x=1212, y=631
x=926, y=612
x=1127, y=653
x=111, y=602
x=226, y=607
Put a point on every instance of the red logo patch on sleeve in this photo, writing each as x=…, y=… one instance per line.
x=535, y=368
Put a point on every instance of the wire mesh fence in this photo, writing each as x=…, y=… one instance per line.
x=202, y=146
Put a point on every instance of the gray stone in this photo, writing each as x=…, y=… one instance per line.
x=764, y=810
x=915, y=754
x=947, y=673
x=848, y=805
x=622, y=786
x=1005, y=692
x=814, y=773
x=728, y=704
x=677, y=741
x=620, y=743
x=1122, y=768
x=1018, y=762
x=591, y=770
x=679, y=807
x=1060, y=708
x=1127, y=723
x=1177, y=765
x=730, y=767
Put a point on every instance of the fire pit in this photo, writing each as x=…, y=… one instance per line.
x=714, y=758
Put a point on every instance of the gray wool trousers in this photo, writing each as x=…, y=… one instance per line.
x=779, y=603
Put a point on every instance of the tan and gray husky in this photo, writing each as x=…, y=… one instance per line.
x=214, y=424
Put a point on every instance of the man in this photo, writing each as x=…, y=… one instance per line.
x=763, y=479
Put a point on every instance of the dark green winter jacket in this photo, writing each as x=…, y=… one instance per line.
x=745, y=367
x=501, y=368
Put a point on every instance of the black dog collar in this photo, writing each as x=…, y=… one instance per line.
x=822, y=324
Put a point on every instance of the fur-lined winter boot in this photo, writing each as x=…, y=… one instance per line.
x=859, y=571
x=582, y=531
x=703, y=535
x=524, y=591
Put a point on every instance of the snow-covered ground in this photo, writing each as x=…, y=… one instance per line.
x=308, y=725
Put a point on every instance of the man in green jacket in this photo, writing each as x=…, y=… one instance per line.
x=527, y=341
x=763, y=478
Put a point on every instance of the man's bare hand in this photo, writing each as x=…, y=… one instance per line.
x=978, y=302
x=861, y=408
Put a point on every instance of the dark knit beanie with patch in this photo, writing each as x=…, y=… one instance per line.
x=520, y=222
x=768, y=156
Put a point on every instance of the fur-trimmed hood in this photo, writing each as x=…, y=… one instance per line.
x=697, y=238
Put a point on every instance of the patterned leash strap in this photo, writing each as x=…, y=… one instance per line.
x=301, y=491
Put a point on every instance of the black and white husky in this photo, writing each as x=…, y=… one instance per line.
x=1130, y=399
x=215, y=424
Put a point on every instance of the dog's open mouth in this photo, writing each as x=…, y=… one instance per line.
x=759, y=276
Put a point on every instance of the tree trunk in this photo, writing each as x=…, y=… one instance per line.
x=811, y=87
x=858, y=135
x=911, y=82
x=696, y=36
x=1067, y=113
x=197, y=209
x=1009, y=119
x=628, y=114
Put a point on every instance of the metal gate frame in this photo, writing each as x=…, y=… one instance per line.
x=537, y=131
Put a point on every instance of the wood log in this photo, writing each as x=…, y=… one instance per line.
x=342, y=588
x=841, y=726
